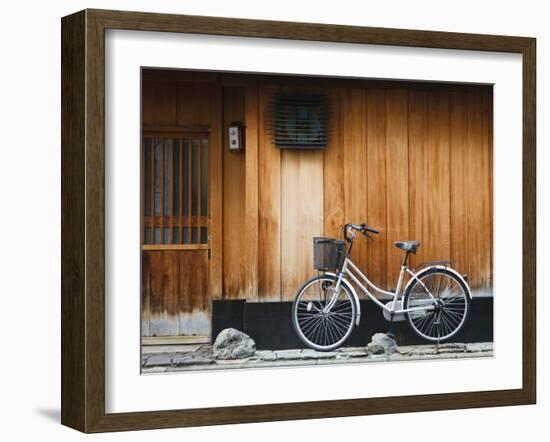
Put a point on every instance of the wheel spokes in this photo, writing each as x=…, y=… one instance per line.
x=449, y=309
x=323, y=329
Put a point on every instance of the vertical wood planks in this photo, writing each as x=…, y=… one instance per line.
x=479, y=230
x=301, y=214
x=194, y=312
x=215, y=194
x=459, y=181
x=162, y=169
x=182, y=175
x=194, y=104
x=437, y=223
x=355, y=165
x=292, y=252
x=176, y=287
x=145, y=297
x=234, y=233
x=333, y=198
x=377, y=265
x=161, y=273
x=269, y=207
x=471, y=186
x=159, y=103
x=488, y=145
x=171, y=192
x=251, y=193
x=397, y=179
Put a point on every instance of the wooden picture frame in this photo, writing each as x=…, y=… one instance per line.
x=83, y=220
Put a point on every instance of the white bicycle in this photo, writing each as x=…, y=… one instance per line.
x=436, y=299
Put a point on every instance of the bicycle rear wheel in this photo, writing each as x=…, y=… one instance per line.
x=447, y=314
x=319, y=329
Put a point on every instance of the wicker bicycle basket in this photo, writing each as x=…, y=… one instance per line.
x=328, y=253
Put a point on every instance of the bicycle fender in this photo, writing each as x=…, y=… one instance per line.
x=355, y=297
x=448, y=269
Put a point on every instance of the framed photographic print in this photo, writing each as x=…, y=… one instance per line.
x=270, y=220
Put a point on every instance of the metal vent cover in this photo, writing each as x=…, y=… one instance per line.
x=300, y=121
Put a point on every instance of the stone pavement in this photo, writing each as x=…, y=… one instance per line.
x=161, y=359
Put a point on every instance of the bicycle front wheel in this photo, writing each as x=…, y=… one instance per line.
x=445, y=299
x=319, y=328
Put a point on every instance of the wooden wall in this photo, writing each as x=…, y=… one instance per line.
x=413, y=160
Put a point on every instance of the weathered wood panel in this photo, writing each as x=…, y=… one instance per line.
x=301, y=213
x=193, y=293
x=429, y=154
x=175, y=293
x=269, y=206
x=161, y=287
x=459, y=181
x=194, y=104
x=437, y=221
x=354, y=126
x=333, y=198
x=397, y=179
x=215, y=194
x=377, y=264
x=159, y=103
x=479, y=210
x=301, y=216
x=251, y=192
x=234, y=190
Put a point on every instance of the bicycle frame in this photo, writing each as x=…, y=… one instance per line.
x=351, y=270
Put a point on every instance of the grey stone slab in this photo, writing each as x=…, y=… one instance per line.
x=431, y=356
x=153, y=370
x=159, y=360
x=482, y=354
x=457, y=347
x=191, y=360
x=232, y=362
x=350, y=349
x=289, y=363
x=201, y=358
x=266, y=355
x=288, y=355
x=479, y=347
x=422, y=351
x=361, y=353
x=312, y=354
x=378, y=357
x=406, y=349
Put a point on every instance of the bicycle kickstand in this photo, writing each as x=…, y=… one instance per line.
x=390, y=329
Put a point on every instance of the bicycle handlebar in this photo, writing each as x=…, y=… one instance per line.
x=363, y=228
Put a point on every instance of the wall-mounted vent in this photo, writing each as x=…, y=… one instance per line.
x=300, y=121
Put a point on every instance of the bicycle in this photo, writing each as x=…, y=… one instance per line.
x=436, y=299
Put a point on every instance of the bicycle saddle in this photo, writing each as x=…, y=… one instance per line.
x=407, y=246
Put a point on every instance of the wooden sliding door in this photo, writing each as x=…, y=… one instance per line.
x=176, y=233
